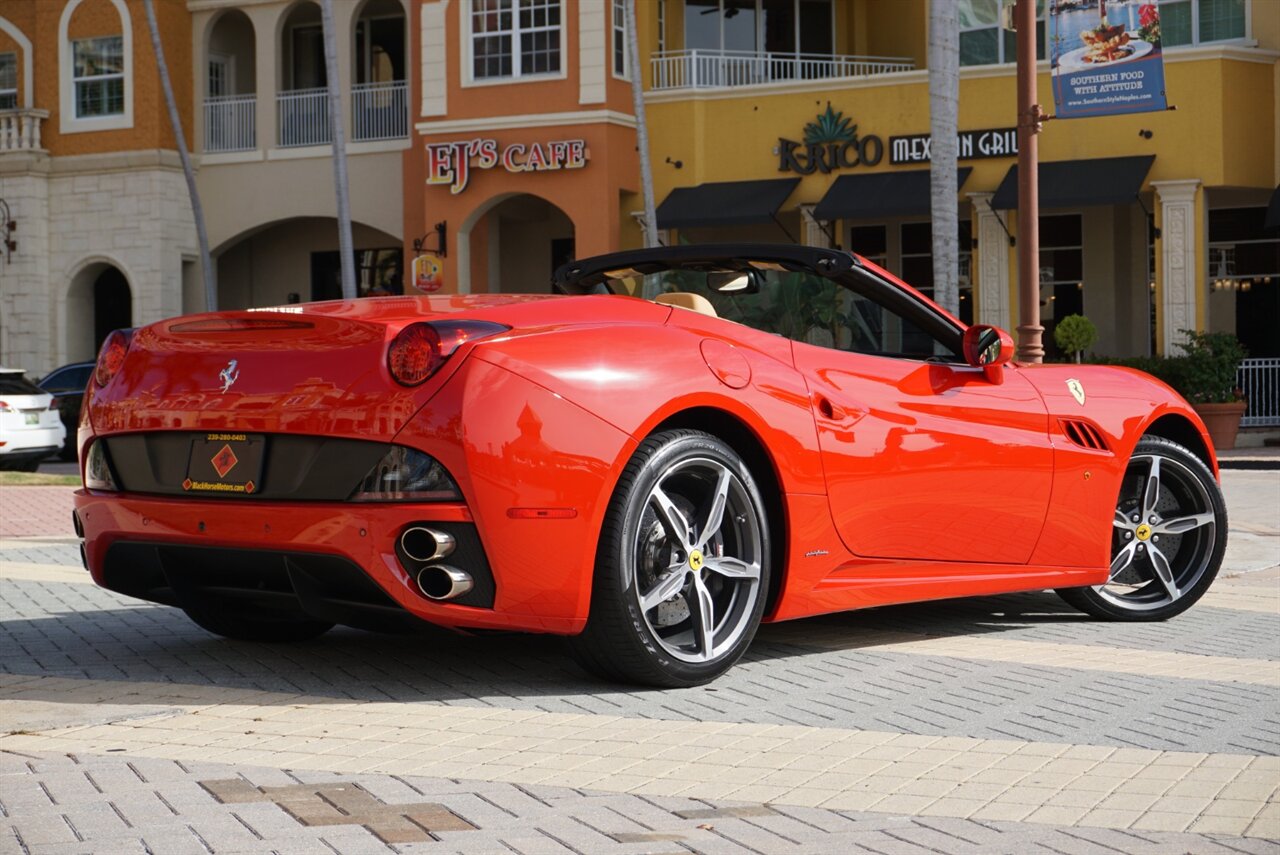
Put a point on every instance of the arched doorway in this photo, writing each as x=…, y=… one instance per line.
x=515, y=243
x=379, y=93
x=99, y=300
x=230, y=116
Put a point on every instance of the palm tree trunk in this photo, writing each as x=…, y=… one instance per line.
x=197, y=211
x=944, y=108
x=642, y=127
x=346, y=251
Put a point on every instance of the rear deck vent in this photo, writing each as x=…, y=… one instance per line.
x=1084, y=434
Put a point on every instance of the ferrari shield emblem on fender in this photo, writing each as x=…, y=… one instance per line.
x=1077, y=390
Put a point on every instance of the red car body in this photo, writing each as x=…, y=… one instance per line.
x=888, y=480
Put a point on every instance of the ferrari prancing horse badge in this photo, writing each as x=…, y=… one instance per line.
x=1077, y=391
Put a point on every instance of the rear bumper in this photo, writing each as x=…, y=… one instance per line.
x=32, y=443
x=165, y=550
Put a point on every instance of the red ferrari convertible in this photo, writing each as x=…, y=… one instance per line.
x=682, y=443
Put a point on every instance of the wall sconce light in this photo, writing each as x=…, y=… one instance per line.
x=1146, y=134
x=678, y=164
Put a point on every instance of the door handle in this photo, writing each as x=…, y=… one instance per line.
x=842, y=415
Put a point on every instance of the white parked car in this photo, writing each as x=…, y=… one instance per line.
x=30, y=427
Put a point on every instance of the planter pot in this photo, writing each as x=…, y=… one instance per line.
x=1222, y=422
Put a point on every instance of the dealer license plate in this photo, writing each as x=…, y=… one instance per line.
x=225, y=463
x=32, y=418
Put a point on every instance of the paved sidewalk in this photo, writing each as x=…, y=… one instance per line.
x=997, y=724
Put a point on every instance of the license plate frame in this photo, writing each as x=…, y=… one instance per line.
x=225, y=463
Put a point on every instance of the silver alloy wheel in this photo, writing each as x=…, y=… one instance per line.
x=698, y=556
x=1163, y=535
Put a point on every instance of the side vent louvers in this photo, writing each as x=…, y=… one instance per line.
x=1084, y=434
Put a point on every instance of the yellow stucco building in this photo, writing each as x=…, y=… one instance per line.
x=1150, y=222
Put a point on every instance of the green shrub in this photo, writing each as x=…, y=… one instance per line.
x=1075, y=334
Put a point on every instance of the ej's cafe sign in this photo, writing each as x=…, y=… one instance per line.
x=451, y=163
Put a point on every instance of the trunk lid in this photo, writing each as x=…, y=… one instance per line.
x=317, y=368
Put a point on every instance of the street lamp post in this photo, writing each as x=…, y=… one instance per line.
x=1030, y=331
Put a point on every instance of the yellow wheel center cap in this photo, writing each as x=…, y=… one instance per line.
x=695, y=560
x=1143, y=532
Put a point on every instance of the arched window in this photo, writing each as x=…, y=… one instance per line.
x=95, y=68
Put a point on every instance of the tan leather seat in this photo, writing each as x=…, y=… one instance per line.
x=687, y=300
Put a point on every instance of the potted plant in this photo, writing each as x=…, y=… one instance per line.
x=1206, y=376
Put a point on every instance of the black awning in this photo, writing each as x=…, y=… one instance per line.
x=1273, y=211
x=881, y=194
x=1081, y=183
x=724, y=203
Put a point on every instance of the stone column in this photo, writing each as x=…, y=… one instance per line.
x=1178, y=278
x=991, y=288
x=268, y=64
x=814, y=233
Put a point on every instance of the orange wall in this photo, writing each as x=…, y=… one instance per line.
x=99, y=18
x=22, y=16
x=516, y=98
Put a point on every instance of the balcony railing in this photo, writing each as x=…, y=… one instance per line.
x=230, y=123
x=711, y=69
x=1260, y=381
x=20, y=129
x=380, y=111
x=303, y=115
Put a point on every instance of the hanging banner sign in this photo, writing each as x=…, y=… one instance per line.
x=428, y=273
x=451, y=163
x=1105, y=57
x=972, y=145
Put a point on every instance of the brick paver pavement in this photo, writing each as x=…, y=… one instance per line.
x=999, y=724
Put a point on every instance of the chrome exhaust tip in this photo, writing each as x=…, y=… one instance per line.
x=442, y=582
x=426, y=544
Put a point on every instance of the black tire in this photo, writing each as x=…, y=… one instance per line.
x=1154, y=579
x=242, y=628
x=639, y=557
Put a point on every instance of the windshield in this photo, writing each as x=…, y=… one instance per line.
x=803, y=306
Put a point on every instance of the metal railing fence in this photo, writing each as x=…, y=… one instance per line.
x=303, y=116
x=1260, y=381
x=230, y=123
x=698, y=68
x=380, y=111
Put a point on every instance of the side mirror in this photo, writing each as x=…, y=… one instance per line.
x=987, y=347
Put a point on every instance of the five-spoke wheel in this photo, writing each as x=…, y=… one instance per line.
x=683, y=566
x=1168, y=537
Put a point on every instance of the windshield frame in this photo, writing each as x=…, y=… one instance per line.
x=846, y=269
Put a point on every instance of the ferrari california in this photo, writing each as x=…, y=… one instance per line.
x=676, y=446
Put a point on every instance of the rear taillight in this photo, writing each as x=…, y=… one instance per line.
x=53, y=403
x=420, y=349
x=111, y=357
x=5, y=408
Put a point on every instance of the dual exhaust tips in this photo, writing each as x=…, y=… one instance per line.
x=437, y=581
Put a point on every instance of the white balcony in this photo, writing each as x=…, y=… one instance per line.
x=719, y=69
x=303, y=117
x=20, y=129
x=230, y=123
x=380, y=111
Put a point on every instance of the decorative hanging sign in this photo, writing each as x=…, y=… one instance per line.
x=1105, y=57
x=451, y=163
x=428, y=272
